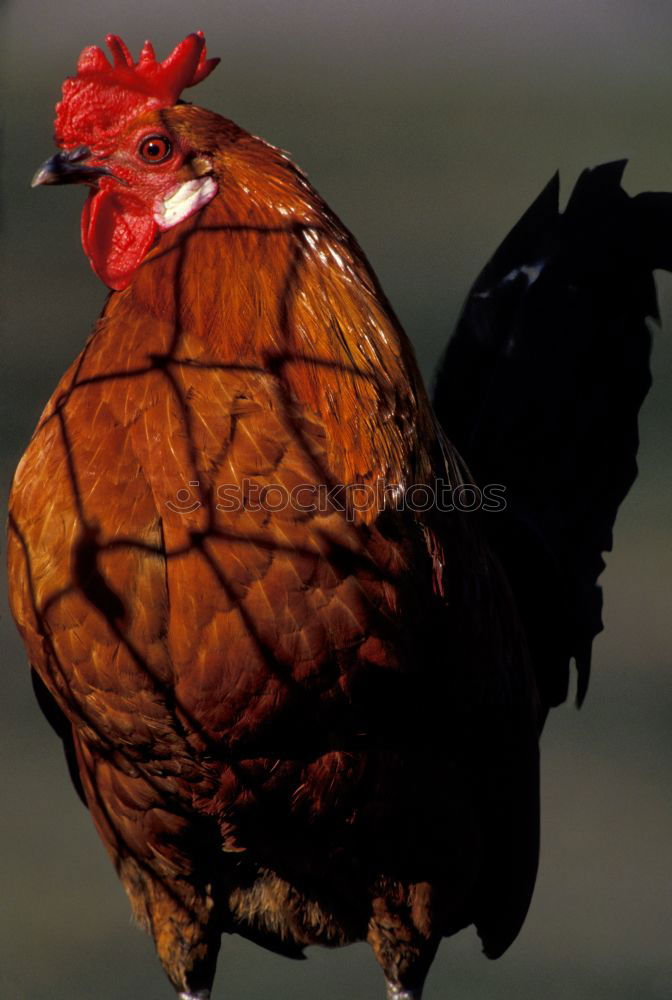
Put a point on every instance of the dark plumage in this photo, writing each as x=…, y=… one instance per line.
x=540, y=388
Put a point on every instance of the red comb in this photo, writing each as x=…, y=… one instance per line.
x=103, y=98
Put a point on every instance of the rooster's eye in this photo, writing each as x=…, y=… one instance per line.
x=155, y=149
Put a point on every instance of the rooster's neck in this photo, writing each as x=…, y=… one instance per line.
x=287, y=291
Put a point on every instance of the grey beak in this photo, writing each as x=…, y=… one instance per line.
x=69, y=168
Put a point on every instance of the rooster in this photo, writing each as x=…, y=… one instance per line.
x=299, y=682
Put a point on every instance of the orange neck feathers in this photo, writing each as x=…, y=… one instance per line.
x=266, y=276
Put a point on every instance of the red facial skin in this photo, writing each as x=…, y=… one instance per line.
x=118, y=225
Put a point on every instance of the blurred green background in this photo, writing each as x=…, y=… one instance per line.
x=429, y=128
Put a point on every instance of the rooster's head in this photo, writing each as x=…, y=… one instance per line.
x=114, y=134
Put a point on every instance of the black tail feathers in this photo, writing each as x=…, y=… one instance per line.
x=540, y=388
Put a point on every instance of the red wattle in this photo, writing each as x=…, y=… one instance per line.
x=117, y=232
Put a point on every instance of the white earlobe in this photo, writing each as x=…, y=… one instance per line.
x=184, y=201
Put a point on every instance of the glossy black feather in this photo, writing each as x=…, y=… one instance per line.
x=540, y=388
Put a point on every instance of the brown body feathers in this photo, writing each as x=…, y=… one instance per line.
x=303, y=725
